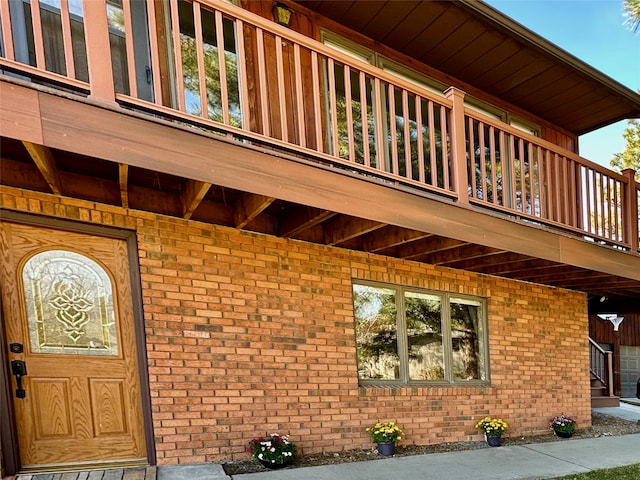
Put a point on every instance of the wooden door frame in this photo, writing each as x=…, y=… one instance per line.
x=8, y=435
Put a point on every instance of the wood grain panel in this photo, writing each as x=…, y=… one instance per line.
x=495, y=60
x=481, y=46
x=404, y=35
x=449, y=46
x=628, y=332
x=107, y=398
x=20, y=113
x=437, y=31
x=50, y=407
x=381, y=17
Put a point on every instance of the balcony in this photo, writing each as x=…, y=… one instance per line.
x=214, y=67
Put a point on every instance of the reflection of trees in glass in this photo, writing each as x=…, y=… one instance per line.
x=465, y=340
x=512, y=179
x=373, y=112
x=190, y=67
x=412, y=144
x=434, y=349
x=357, y=113
x=424, y=336
x=117, y=32
x=376, y=333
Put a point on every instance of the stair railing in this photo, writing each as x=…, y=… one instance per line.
x=601, y=365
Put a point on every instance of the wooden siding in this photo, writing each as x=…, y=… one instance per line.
x=628, y=332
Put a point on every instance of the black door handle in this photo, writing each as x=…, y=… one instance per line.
x=19, y=369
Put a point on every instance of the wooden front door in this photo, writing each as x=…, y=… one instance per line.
x=67, y=308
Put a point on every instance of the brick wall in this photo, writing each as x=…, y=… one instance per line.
x=249, y=334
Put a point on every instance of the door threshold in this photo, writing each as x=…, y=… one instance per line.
x=83, y=466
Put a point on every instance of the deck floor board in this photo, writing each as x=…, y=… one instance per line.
x=136, y=473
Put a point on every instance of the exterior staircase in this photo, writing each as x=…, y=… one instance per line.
x=601, y=366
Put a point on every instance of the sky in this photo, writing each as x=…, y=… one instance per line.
x=594, y=32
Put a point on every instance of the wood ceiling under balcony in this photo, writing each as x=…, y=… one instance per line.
x=34, y=167
x=474, y=43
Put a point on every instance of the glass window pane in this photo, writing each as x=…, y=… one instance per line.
x=376, y=333
x=52, y=37
x=211, y=65
x=466, y=339
x=424, y=336
x=69, y=303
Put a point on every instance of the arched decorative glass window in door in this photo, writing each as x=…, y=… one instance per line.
x=70, y=305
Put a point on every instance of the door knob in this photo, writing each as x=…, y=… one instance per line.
x=19, y=369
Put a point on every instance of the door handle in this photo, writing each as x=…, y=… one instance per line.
x=19, y=370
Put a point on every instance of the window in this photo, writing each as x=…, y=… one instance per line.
x=406, y=335
x=52, y=30
x=376, y=131
x=191, y=35
x=52, y=36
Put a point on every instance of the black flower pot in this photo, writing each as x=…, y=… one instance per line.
x=563, y=434
x=387, y=449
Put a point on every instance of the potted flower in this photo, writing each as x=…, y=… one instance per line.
x=562, y=426
x=385, y=434
x=493, y=429
x=274, y=451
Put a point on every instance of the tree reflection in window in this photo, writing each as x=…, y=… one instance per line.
x=405, y=335
x=191, y=67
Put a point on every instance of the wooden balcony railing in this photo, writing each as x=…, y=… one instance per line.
x=212, y=64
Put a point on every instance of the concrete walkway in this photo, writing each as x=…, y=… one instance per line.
x=629, y=409
x=536, y=461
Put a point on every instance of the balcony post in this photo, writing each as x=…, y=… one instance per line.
x=630, y=210
x=98, y=51
x=458, y=144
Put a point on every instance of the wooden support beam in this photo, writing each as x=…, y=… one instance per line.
x=563, y=273
x=477, y=264
x=302, y=218
x=343, y=228
x=514, y=268
x=123, y=175
x=248, y=207
x=428, y=245
x=45, y=162
x=391, y=236
x=192, y=196
x=453, y=255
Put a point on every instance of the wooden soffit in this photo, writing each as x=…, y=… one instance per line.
x=474, y=43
